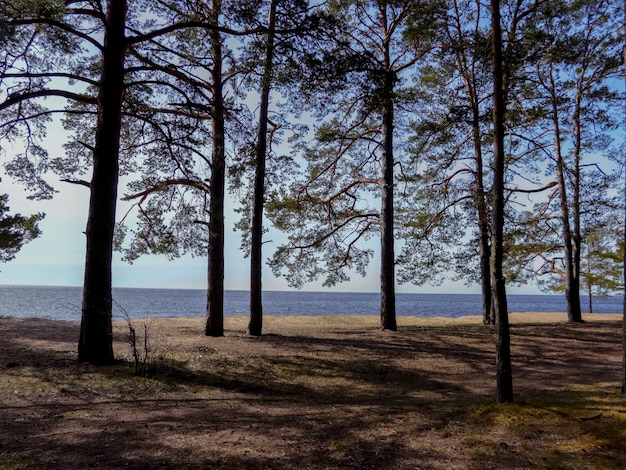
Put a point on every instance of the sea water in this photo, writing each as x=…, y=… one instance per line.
x=63, y=303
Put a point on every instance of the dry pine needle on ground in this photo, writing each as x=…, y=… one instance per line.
x=315, y=392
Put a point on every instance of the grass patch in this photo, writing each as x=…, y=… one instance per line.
x=584, y=428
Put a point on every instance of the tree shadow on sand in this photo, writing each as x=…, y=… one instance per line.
x=374, y=400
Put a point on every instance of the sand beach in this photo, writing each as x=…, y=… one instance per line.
x=315, y=393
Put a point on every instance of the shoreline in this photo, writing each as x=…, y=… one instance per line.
x=514, y=317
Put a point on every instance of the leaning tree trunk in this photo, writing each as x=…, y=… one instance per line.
x=480, y=199
x=572, y=300
x=481, y=203
x=572, y=285
x=96, y=338
x=255, y=326
x=504, y=381
x=215, y=270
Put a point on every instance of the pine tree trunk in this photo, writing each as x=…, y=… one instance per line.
x=572, y=300
x=575, y=312
x=387, y=277
x=215, y=290
x=504, y=381
x=96, y=333
x=572, y=295
x=480, y=196
x=255, y=326
x=624, y=240
x=388, y=259
x=485, y=276
x=480, y=199
x=387, y=267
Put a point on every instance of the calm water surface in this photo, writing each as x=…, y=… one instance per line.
x=63, y=303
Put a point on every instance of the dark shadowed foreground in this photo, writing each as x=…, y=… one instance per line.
x=317, y=393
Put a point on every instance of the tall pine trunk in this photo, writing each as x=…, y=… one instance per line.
x=388, y=260
x=571, y=254
x=573, y=307
x=504, y=377
x=624, y=240
x=387, y=268
x=485, y=274
x=96, y=338
x=574, y=313
x=255, y=326
x=467, y=69
x=480, y=199
x=215, y=270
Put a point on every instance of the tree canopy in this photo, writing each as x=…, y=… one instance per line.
x=15, y=230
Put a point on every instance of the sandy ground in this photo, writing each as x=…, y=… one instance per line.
x=316, y=393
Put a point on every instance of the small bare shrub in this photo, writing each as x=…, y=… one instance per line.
x=140, y=345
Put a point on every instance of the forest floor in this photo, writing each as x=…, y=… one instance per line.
x=315, y=393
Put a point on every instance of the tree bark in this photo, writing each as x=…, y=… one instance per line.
x=574, y=313
x=96, y=338
x=567, y=236
x=485, y=274
x=624, y=240
x=504, y=381
x=255, y=325
x=468, y=71
x=215, y=270
x=480, y=199
x=388, y=260
x=572, y=286
x=387, y=268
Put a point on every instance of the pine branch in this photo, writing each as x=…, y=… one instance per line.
x=164, y=184
x=17, y=98
x=79, y=182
